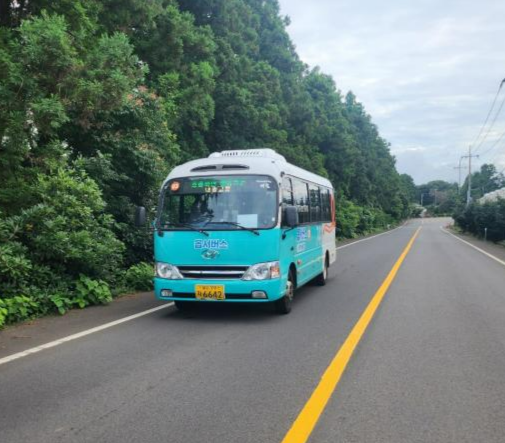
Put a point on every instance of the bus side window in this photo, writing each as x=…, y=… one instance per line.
x=326, y=205
x=315, y=204
x=287, y=196
x=287, y=192
x=301, y=200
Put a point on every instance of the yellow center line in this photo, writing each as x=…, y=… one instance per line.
x=307, y=419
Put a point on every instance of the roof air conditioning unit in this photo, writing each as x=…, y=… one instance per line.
x=240, y=153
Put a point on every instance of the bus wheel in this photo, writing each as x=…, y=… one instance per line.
x=283, y=305
x=320, y=280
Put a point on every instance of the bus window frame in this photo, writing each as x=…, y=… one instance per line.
x=321, y=187
x=164, y=188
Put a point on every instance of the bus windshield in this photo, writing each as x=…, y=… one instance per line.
x=219, y=202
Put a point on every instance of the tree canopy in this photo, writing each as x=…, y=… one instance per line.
x=100, y=99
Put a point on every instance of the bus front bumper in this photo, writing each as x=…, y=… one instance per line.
x=234, y=290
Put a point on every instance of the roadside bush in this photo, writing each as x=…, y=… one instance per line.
x=354, y=220
x=3, y=312
x=477, y=217
x=91, y=292
x=53, y=299
x=15, y=267
x=70, y=229
x=139, y=277
x=61, y=250
x=20, y=308
x=348, y=218
x=66, y=234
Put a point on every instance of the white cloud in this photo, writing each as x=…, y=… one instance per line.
x=427, y=71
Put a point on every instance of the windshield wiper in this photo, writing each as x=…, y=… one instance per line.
x=238, y=225
x=186, y=225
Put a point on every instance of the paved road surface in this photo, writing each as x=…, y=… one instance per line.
x=429, y=368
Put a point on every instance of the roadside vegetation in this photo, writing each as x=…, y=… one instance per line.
x=480, y=218
x=100, y=99
x=484, y=220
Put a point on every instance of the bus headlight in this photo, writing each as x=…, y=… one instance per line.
x=263, y=271
x=165, y=270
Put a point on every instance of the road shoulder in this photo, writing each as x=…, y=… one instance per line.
x=343, y=242
x=494, y=249
x=29, y=334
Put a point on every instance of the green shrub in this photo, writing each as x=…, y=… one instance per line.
x=70, y=229
x=140, y=277
x=3, y=312
x=354, y=220
x=61, y=303
x=348, y=218
x=477, y=217
x=91, y=292
x=53, y=241
x=20, y=308
x=15, y=267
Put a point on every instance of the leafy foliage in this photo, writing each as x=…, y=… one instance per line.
x=139, y=277
x=100, y=99
x=484, y=181
x=479, y=217
x=443, y=198
x=19, y=307
x=92, y=292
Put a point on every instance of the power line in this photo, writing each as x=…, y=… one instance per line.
x=497, y=155
x=494, y=161
x=494, y=144
x=472, y=155
x=489, y=114
x=491, y=126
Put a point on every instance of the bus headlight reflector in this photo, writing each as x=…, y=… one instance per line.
x=262, y=271
x=165, y=270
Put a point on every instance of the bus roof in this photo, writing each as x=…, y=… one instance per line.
x=252, y=161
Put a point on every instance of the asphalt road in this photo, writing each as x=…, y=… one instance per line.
x=430, y=367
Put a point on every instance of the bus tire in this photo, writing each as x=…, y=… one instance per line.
x=284, y=304
x=321, y=279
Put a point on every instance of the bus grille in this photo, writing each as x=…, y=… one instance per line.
x=213, y=272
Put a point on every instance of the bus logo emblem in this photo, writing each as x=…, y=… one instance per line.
x=209, y=254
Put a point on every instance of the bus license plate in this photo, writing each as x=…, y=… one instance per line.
x=209, y=292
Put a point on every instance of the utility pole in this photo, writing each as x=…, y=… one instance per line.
x=469, y=190
x=422, y=197
x=459, y=168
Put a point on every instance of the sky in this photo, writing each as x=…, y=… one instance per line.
x=426, y=71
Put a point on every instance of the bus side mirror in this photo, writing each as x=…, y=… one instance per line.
x=140, y=216
x=291, y=214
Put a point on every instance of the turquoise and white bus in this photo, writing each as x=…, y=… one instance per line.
x=242, y=226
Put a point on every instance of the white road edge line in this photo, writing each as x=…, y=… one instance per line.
x=68, y=338
x=60, y=341
x=474, y=247
x=369, y=238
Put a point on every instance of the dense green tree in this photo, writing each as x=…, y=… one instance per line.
x=481, y=218
x=100, y=99
x=485, y=180
x=409, y=187
x=438, y=197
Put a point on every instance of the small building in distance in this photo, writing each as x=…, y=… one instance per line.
x=493, y=196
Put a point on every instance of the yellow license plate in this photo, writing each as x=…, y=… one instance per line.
x=209, y=292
